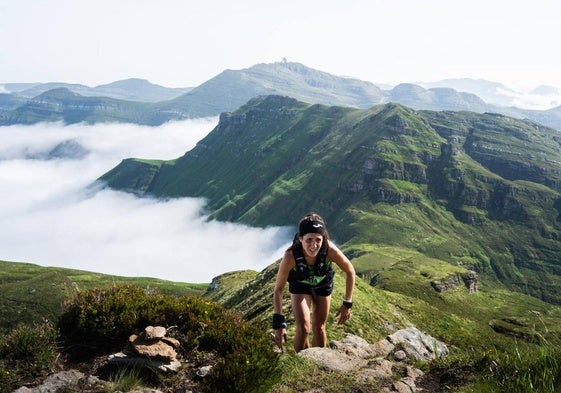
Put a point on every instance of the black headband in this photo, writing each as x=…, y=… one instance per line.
x=307, y=226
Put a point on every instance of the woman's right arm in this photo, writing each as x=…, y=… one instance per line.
x=286, y=264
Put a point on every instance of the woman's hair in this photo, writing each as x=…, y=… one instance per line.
x=311, y=223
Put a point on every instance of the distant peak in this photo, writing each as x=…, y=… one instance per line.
x=131, y=82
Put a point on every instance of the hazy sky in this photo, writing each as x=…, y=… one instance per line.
x=180, y=43
x=50, y=215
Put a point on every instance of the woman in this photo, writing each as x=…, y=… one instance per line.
x=307, y=266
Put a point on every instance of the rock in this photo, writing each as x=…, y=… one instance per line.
x=353, y=345
x=204, y=371
x=418, y=345
x=400, y=355
x=154, y=333
x=373, y=361
x=469, y=279
x=376, y=369
x=157, y=350
x=144, y=362
x=171, y=341
x=72, y=380
x=382, y=348
x=402, y=387
x=332, y=360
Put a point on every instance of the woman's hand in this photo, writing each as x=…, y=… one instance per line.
x=344, y=314
x=280, y=338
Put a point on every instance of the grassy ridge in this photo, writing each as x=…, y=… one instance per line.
x=30, y=293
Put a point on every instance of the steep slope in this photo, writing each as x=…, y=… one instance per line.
x=477, y=190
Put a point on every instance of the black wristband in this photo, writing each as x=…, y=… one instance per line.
x=279, y=321
x=347, y=304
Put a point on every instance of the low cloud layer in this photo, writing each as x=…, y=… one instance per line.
x=52, y=216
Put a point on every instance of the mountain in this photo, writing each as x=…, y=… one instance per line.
x=479, y=191
x=68, y=149
x=490, y=92
x=10, y=102
x=546, y=90
x=446, y=99
x=63, y=105
x=128, y=89
x=138, y=90
x=225, y=92
x=232, y=88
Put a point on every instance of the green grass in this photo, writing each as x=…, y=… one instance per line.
x=124, y=380
x=30, y=293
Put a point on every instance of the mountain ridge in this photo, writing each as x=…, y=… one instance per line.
x=477, y=190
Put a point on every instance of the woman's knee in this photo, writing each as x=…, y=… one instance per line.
x=319, y=328
x=304, y=327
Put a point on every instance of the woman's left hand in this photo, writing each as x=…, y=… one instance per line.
x=344, y=315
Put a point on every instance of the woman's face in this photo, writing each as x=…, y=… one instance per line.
x=311, y=243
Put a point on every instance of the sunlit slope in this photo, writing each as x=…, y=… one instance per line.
x=32, y=293
x=480, y=191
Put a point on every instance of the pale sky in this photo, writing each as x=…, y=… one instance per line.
x=182, y=43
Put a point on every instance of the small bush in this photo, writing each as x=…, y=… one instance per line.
x=26, y=353
x=108, y=316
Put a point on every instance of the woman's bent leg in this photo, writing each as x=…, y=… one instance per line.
x=319, y=317
x=301, y=310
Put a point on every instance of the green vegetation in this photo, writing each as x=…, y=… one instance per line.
x=243, y=358
x=479, y=191
x=26, y=352
x=527, y=369
x=124, y=380
x=418, y=200
x=32, y=293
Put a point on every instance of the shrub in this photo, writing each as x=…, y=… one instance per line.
x=108, y=316
x=27, y=352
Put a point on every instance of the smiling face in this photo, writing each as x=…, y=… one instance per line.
x=311, y=244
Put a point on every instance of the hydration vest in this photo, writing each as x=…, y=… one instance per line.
x=318, y=273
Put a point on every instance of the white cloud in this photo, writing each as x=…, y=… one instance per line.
x=52, y=216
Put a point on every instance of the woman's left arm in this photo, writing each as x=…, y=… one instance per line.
x=337, y=256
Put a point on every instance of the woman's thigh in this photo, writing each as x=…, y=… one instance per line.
x=320, y=309
x=301, y=307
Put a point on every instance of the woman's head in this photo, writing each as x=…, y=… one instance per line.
x=311, y=223
x=312, y=233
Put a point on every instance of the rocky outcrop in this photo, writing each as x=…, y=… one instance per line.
x=381, y=360
x=469, y=279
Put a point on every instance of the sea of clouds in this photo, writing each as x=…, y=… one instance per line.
x=53, y=213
